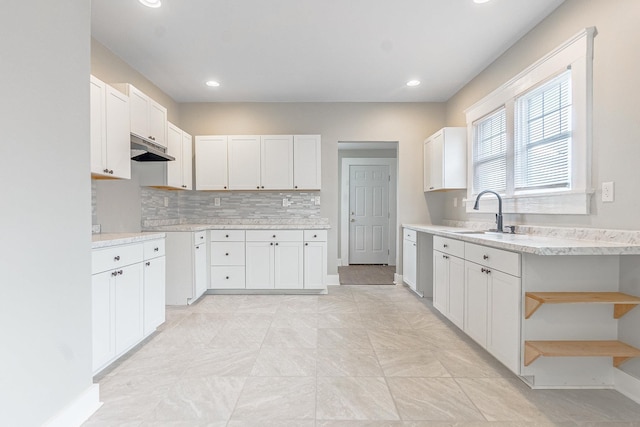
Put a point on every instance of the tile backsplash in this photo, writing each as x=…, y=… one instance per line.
x=199, y=206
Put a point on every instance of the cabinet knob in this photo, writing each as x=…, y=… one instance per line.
x=225, y=187
x=258, y=187
x=485, y=256
x=111, y=171
x=295, y=186
x=227, y=277
x=227, y=236
x=227, y=254
x=197, y=247
x=306, y=244
x=120, y=272
x=445, y=246
x=156, y=249
x=201, y=237
x=445, y=257
x=271, y=244
x=276, y=244
x=274, y=236
x=114, y=273
x=315, y=235
x=116, y=258
x=105, y=170
x=430, y=188
x=262, y=186
x=148, y=263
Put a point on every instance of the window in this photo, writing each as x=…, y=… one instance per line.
x=531, y=137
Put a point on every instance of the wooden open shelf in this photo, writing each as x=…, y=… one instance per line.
x=623, y=303
x=620, y=351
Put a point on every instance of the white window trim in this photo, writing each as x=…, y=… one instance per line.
x=576, y=53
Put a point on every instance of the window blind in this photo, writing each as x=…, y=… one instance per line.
x=490, y=152
x=543, y=136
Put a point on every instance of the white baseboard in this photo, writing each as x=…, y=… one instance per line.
x=78, y=411
x=627, y=384
x=397, y=278
x=333, y=279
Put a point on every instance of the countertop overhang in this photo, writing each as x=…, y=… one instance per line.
x=531, y=244
x=112, y=239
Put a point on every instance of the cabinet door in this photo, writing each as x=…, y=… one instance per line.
x=276, y=162
x=174, y=148
x=244, y=162
x=187, y=161
x=503, y=339
x=307, y=162
x=456, y=291
x=102, y=319
x=200, y=271
x=138, y=106
x=441, y=282
x=476, y=305
x=315, y=265
x=409, y=254
x=97, y=94
x=118, y=141
x=259, y=266
x=154, y=298
x=211, y=163
x=128, y=307
x=288, y=264
x=157, y=123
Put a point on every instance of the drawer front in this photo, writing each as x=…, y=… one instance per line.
x=115, y=257
x=410, y=235
x=199, y=237
x=153, y=249
x=315, y=235
x=227, y=278
x=274, y=235
x=227, y=235
x=449, y=246
x=227, y=253
x=505, y=261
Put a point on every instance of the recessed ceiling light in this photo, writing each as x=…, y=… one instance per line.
x=412, y=83
x=151, y=3
x=481, y=1
x=212, y=83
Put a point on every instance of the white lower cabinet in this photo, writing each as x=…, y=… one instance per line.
x=409, y=258
x=187, y=267
x=227, y=259
x=288, y=265
x=127, y=300
x=260, y=265
x=448, y=286
x=315, y=259
x=476, y=302
x=503, y=331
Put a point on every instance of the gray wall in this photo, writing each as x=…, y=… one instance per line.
x=407, y=123
x=616, y=127
x=45, y=290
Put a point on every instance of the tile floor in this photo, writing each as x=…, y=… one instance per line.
x=359, y=356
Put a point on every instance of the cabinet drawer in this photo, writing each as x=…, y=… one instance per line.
x=199, y=237
x=153, y=248
x=227, y=235
x=410, y=235
x=115, y=257
x=449, y=246
x=227, y=253
x=315, y=235
x=227, y=278
x=274, y=235
x=508, y=262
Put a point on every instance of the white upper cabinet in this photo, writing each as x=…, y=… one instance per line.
x=148, y=118
x=179, y=170
x=211, y=163
x=110, y=143
x=244, y=162
x=445, y=159
x=276, y=162
x=306, y=162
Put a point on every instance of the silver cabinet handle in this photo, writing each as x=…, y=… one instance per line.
x=116, y=258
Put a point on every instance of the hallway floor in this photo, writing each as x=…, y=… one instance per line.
x=360, y=356
x=366, y=274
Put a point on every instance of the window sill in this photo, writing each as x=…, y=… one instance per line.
x=575, y=203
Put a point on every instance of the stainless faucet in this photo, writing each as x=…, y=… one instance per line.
x=499, y=214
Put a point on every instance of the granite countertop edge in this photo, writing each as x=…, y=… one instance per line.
x=104, y=240
x=202, y=227
x=531, y=244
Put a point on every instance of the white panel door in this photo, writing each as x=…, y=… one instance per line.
x=288, y=259
x=276, y=166
x=187, y=161
x=307, y=162
x=259, y=266
x=118, y=140
x=211, y=162
x=369, y=214
x=244, y=162
x=174, y=148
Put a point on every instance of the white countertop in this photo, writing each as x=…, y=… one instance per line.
x=531, y=244
x=113, y=239
x=241, y=226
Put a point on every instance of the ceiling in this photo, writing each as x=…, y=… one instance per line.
x=313, y=50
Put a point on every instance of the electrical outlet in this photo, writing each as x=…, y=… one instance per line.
x=216, y=201
x=607, y=192
x=166, y=202
x=285, y=203
x=317, y=201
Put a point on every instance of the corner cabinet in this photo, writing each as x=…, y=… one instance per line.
x=258, y=162
x=445, y=160
x=109, y=123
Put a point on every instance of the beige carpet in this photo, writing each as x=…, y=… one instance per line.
x=366, y=274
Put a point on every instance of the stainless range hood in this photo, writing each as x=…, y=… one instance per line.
x=145, y=150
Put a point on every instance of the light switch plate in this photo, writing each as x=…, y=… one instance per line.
x=608, y=192
x=95, y=229
x=216, y=201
